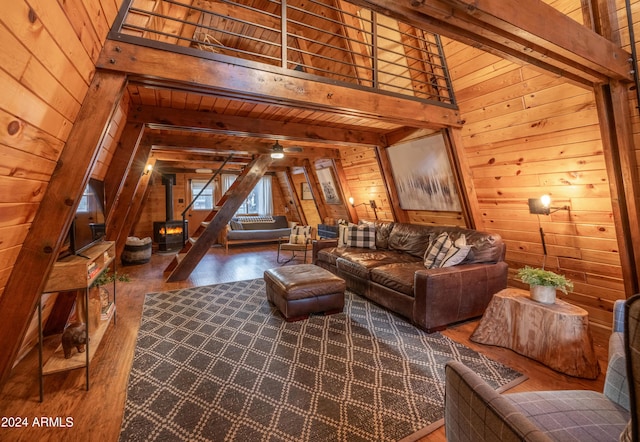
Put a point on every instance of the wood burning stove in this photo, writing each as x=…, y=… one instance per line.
x=170, y=235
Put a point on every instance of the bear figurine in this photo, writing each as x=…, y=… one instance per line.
x=75, y=335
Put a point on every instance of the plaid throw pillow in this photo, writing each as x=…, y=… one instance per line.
x=456, y=253
x=437, y=250
x=362, y=236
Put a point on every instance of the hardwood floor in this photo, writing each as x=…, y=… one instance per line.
x=96, y=414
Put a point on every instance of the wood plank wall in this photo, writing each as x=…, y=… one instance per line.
x=527, y=133
x=46, y=64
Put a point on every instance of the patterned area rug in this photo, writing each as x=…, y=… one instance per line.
x=219, y=363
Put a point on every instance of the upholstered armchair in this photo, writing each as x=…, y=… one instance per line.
x=300, y=240
x=476, y=412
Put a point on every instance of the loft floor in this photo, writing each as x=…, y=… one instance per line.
x=97, y=413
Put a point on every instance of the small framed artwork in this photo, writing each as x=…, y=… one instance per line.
x=423, y=175
x=328, y=185
x=306, y=191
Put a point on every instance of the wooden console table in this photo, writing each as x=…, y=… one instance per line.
x=556, y=335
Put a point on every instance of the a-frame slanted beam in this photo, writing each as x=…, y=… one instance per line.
x=537, y=34
x=121, y=162
x=130, y=198
x=269, y=84
x=312, y=178
x=178, y=119
x=53, y=219
x=234, y=199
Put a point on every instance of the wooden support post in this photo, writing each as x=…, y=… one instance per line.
x=132, y=199
x=466, y=189
x=302, y=218
x=344, y=189
x=617, y=140
x=314, y=184
x=121, y=162
x=54, y=216
x=399, y=214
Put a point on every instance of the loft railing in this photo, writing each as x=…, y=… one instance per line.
x=346, y=44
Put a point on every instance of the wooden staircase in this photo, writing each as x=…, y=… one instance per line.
x=206, y=234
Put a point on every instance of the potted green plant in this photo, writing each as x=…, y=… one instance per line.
x=544, y=283
x=105, y=278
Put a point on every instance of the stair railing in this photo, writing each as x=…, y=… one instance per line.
x=185, y=233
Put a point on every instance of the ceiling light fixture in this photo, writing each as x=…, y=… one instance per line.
x=277, y=151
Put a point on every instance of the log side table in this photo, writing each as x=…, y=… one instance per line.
x=556, y=335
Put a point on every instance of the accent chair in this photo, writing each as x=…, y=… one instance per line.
x=300, y=240
x=474, y=411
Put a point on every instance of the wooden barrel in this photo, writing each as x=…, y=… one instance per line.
x=136, y=254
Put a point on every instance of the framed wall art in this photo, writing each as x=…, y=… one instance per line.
x=328, y=185
x=305, y=191
x=423, y=175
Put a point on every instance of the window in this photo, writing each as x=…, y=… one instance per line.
x=258, y=202
x=205, y=200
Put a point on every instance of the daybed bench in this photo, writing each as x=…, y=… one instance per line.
x=385, y=262
x=253, y=229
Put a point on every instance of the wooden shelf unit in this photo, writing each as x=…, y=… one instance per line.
x=77, y=272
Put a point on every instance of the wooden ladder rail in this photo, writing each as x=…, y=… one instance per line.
x=183, y=264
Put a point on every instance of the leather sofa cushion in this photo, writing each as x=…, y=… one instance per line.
x=410, y=238
x=397, y=276
x=330, y=255
x=361, y=263
x=485, y=247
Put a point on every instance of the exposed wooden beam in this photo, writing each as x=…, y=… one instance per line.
x=119, y=216
x=221, y=145
x=137, y=201
x=121, y=162
x=399, y=214
x=53, y=219
x=270, y=84
x=536, y=34
x=209, y=122
x=617, y=139
x=311, y=177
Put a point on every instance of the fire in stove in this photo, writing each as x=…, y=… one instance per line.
x=170, y=230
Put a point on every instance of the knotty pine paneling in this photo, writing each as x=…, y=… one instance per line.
x=527, y=133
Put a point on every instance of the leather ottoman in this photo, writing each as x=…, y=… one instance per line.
x=300, y=290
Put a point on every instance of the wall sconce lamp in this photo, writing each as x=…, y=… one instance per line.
x=542, y=206
x=372, y=204
x=148, y=169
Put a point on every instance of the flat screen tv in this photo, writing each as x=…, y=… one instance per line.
x=88, y=225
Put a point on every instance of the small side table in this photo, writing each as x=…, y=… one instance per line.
x=556, y=335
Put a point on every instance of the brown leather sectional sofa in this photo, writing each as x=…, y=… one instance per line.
x=394, y=276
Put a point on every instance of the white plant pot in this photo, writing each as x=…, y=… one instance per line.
x=544, y=294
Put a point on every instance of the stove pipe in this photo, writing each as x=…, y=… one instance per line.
x=168, y=180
